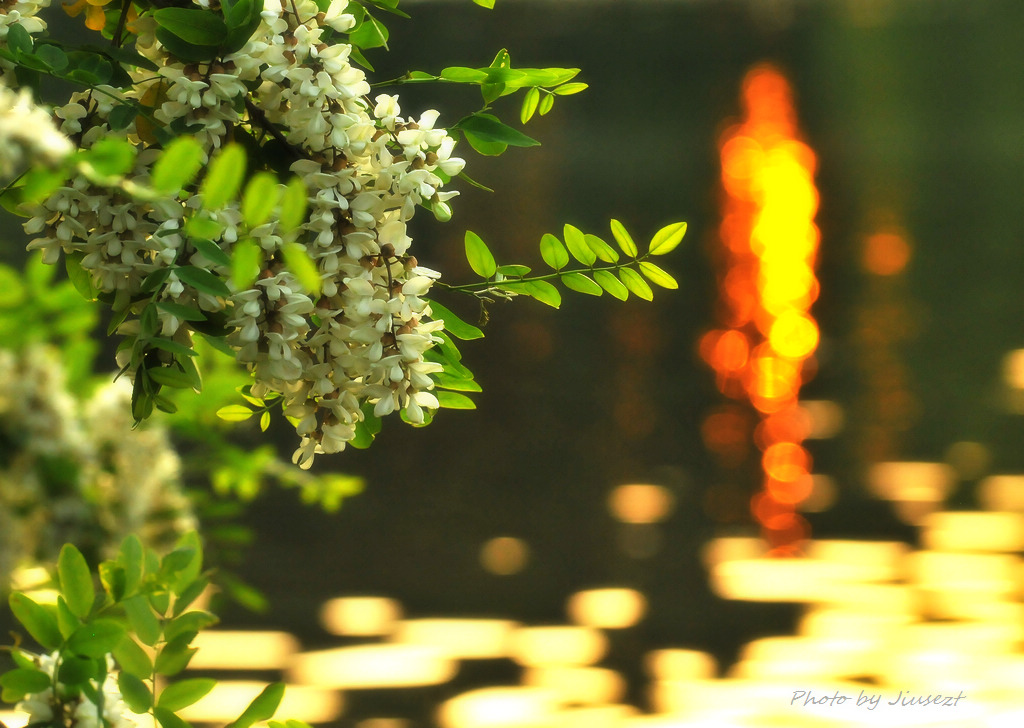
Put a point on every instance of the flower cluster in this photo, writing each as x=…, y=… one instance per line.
x=27, y=133
x=290, y=92
x=56, y=708
x=25, y=14
x=76, y=471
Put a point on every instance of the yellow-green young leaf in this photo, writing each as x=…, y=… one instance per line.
x=626, y=244
x=489, y=4
x=601, y=249
x=553, y=252
x=260, y=199
x=544, y=292
x=75, y=580
x=479, y=256
x=545, y=104
x=246, y=261
x=657, y=275
x=581, y=284
x=637, y=285
x=302, y=267
x=454, y=400
x=576, y=241
x=293, y=205
x=265, y=421
x=611, y=284
x=224, y=177
x=177, y=166
x=567, y=89
x=666, y=239
x=530, y=102
x=234, y=413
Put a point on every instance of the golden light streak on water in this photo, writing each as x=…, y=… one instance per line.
x=769, y=249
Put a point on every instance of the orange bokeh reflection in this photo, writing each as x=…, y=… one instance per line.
x=764, y=350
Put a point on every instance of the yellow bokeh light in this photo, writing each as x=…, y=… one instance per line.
x=504, y=555
x=373, y=666
x=558, y=645
x=607, y=608
x=640, y=503
x=243, y=650
x=461, y=639
x=360, y=616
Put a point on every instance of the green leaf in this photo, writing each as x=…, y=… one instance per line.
x=18, y=39
x=553, y=252
x=21, y=682
x=78, y=670
x=529, y=108
x=177, y=166
x=611, y=284
x=246, y=261
x=666, y=239
x=200, y=27
x=453, y=324
x=203, y=228
x=174, y=347
x=130, y=556
x=265, y=421
x=132, y=659
x=96, y=639
x=461, y=384
x=371, y=33
x=202, y=280
x=142, y=619
x=183, y=694
x=112, y=577
x=242, y=19
x=209, y=249
x=121, y=115
x=185, y=313
x=576, y=241
x=136, y=693
x=567, y=89
x=79, y=276
x=581, y=284
x=111, y=157
x=657, y=275
x=191, y=593
x=75, y=580
x=194, y=621
x=479, y=256
x=461, y=74
x=52, y=56
x=261, y=708
x=67, y=621
x=514, y=270
x=454, y=400
x=637, y=285
x=167, y=719
x=302, y=267
x=293, y=205
x=489, y=129
x=482, y=146
x=489, y=4
x=224, y=177
x=260, y=199
x=544, y=292
x=38, y=620
x=601, y=249
x=170, y=377
x=625, y=242
x=546, y=104
x=234, y=413
x=175, y=655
